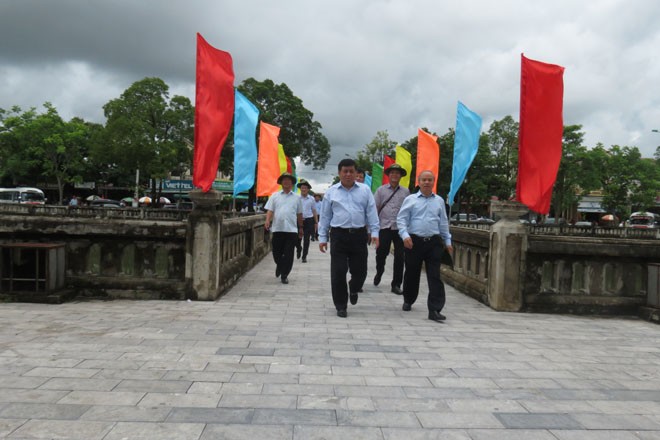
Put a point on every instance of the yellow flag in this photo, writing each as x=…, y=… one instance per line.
x=404, y=159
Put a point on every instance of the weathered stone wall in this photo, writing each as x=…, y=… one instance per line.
x=131, y=254
x=596, y=270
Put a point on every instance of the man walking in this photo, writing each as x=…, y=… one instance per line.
x=348, y=208
x=284, y=220
x=389, y=198
x=310, y=217
x=423, y=226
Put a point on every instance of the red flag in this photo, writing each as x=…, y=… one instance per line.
x=428, y=154
x=214, y=110
x=386, y=164
x=541, y=131
x=268, y=163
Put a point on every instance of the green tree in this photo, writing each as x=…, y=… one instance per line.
x=44, y=146
x=502, y=138
x=568, y=187
x=375, y=151
x=146, y=131
x=300, y=134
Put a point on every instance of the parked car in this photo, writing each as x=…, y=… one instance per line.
x=464, y=217
x=105, y=203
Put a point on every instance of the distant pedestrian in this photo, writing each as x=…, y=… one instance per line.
x=348, y=208
x=284, y=220
x=423, y=226
x=389, y=198
x=310, y=218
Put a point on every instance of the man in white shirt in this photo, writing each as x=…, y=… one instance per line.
x=310, y=218
x=284, y=220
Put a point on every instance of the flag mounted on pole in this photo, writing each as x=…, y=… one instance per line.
x=404, y=158
x=268, y=165
x=214, y=110
x=541, y=132
x=246, y=116
x=428, y=154
x=466, y=144
x=376, y=176
x=387, y=162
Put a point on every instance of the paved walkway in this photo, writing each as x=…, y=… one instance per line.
x=270, y=361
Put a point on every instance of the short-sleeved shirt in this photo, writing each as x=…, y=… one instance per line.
x=285, y=207
x=388, y=213
x=309, y=206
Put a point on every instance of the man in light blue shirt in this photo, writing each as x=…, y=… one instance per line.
x=347, y=210
x=284, y=220
x=310, y=218
x=424, y=229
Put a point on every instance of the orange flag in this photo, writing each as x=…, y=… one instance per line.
x=268, y=164
x=428, y=154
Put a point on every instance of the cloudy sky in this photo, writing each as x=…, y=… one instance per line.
x=359, y=65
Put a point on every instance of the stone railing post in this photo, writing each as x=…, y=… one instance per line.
x=203, y=245
x=508, y=244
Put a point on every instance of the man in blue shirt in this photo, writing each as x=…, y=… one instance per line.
x=348, y=209
x=424, y=229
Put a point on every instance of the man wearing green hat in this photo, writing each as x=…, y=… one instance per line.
x=284, y=220
x=389, y=198
x=310, y=218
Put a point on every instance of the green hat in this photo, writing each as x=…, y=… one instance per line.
x=287, y=175
x=397, y=167
x=304, y=182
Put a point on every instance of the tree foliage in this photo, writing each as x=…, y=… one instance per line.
x=146, y=130
x=300, y=134
x=42, y=147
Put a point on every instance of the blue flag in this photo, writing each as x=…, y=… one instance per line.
x=246, y=116
x=466, y=144
x=367, y=179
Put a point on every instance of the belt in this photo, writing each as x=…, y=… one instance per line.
x=419, y=237
x=349, y=230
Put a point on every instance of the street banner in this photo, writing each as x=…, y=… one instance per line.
x=268, y=164
x=466, y=145
x=246, y=117
x=428, y=155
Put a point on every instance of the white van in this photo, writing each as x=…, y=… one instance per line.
x=24, y=195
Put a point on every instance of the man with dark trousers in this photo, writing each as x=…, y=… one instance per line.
x=284, y=220
x=389, y=198
x=348, y=209
x=423, y=226
x=310, y=218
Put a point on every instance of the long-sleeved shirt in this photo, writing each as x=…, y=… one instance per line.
x=285, y=208
x=348, y=208
x=308, y=206
x=423, y=216
x=389, y=212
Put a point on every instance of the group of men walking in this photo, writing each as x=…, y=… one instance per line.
x=350, y=218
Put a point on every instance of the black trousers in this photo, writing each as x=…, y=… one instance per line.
x=282, y=244
x=308, y=233
x=428, y=252
x=386, y=238
x=348, y=253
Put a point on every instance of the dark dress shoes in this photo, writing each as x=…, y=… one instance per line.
x=377, y=279
x=397, y=290
x=436, y=316
x=342, y=313
x=406, y=307
x=285, y=280
x=353, y=297
x=304, y=260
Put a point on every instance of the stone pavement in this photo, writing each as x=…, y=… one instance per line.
x=269, y=361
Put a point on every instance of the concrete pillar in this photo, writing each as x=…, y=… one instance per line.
x=508, y=244
x=203, y=246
